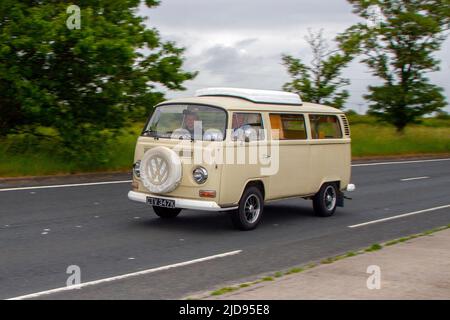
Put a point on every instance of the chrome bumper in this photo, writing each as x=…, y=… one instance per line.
x=180, y=203
x=350, y=188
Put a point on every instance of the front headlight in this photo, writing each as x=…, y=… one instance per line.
x=200, y=175
x=137, y=169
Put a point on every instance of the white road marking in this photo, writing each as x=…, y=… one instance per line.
x=125, y=276
x=399, y=216
x=397, y=162
x=129, y=181
x=417, y=178
x=67, y=185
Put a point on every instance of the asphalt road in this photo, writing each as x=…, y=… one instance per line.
x=45, y=230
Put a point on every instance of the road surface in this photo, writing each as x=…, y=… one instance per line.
x=125, y=252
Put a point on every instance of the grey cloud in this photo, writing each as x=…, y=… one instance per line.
x=247, y=14
x=235, y=66
x=239, y=43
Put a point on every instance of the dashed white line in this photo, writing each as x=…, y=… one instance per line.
x=412, y=179
x=129, y=181
x=399, y=216
x=397, y=162
x=125, y=276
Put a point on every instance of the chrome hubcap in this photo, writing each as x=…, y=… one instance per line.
x=252, y=208
x=330, y=198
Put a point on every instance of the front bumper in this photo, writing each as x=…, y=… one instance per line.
x=180, y=203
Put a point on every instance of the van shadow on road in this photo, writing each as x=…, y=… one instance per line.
x=212, y=222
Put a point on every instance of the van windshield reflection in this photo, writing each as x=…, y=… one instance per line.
x=187, y=122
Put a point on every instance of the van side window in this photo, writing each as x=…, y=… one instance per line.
x=247, y=124
x=288, y=126
x=325, y=127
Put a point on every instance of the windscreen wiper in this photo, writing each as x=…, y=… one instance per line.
x=150, y=132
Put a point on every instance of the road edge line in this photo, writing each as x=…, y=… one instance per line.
x=125, y=276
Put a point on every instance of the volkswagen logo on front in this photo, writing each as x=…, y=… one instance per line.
x=161, y=170
x=158, y=170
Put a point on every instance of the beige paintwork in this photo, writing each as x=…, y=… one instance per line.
x=304, y=164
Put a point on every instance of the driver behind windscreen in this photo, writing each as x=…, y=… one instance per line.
x=190, y=122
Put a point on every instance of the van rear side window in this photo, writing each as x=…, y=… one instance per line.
x=325, y=127
x=288, y=126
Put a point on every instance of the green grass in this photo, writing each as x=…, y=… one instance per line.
x=21, y=157
x=278, y=274
x=267, y=279
x=33, y=157
x=374, y=247
x=223, y=291
x=294, y=270
x=382, y=140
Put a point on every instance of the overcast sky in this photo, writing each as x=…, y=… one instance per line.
x=239, y=43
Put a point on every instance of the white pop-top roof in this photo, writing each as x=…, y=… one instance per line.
x=258, y=96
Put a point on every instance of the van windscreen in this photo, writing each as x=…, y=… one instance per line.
x=187, y=122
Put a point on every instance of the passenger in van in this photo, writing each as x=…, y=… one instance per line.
x=238, y=121
x=241, y=126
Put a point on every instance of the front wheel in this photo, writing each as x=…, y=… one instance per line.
x=249, y=212
x=325, y=201
x=166, y=213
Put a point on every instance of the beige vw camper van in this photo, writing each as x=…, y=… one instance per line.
x=234, y=150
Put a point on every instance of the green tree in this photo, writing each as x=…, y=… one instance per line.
x=84, y=83
x=399, y=48
x=320, y=81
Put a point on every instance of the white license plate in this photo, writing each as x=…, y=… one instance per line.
x=158, y=202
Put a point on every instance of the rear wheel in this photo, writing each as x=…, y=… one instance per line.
x=166, y=213
x=325, y=201
x=251, y=206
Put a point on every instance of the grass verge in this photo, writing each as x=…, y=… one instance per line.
x=376, y=140
x=37, y=157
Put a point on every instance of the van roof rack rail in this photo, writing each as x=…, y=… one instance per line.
x=253, y=95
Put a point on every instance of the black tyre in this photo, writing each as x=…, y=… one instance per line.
x=166, y=213
x=325, y=201
x=251, y=207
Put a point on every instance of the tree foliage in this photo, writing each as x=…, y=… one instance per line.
x=84, y=83
x=400, y=50
x=320, y=81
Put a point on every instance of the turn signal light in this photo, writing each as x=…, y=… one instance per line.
x=207, y=193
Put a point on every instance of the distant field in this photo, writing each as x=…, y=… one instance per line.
x=22, y=159
x=370, y=138
x=32, y=158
